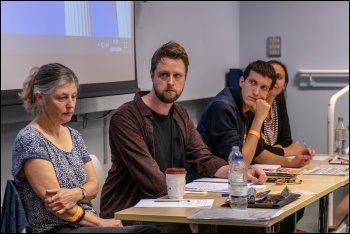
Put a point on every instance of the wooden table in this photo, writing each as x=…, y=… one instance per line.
x=324, y=202
x=320, y=185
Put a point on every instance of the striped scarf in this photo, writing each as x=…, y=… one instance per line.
x=271, y=125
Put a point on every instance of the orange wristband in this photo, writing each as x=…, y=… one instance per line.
x=77, y=214
x=80, y=218
x=255, y=133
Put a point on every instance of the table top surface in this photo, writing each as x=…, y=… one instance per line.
x=318, y=185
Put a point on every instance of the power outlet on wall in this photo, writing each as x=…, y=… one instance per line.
x=274, y=46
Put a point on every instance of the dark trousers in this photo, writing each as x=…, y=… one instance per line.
x=288, y=225
x=171, y=227
x=126, y=229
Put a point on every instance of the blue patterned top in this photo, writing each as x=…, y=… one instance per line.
x=69, y=168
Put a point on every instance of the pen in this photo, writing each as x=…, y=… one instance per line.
x=304, y=144
x=171, y=200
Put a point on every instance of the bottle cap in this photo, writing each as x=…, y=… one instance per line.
x=235, y=147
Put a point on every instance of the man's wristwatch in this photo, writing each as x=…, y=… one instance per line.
x=83, y=192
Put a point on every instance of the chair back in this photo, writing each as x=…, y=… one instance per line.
x=101, y=180
x=233, y=77
x=13, y=215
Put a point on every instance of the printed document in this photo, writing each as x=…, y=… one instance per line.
x=329, y=170
x=175, y=203
x=207, y=187
x=215, y=187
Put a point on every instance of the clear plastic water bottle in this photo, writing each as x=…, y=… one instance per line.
x=237, y=180
x=340, y=137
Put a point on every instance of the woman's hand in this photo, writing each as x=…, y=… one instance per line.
x=60, y=200
x=303, y=158
x=111, y=223
x=293, y=149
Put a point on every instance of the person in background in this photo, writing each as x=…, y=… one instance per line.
x=236, y=116
x=276, y=130
x=150, y=134
x=51, y=167
x=276, y=127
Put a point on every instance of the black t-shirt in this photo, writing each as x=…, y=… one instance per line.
x=167, y=141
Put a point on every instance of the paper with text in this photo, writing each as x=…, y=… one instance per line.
x=215, y=187
x=207, y=187
x=213, y=180
x=180, y=203
x=329, y=170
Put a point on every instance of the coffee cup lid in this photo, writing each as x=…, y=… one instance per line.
x=175, y=170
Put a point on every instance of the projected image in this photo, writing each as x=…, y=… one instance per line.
x=88, y=26
x=95, y=39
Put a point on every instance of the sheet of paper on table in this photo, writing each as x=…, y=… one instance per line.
x=315, y=158
x=175, y=203
x=329, y=170
x=212, y=180
x=340, y=160
x=320, y=157
x=207, y=187
x=266, y=167
x=215, y=187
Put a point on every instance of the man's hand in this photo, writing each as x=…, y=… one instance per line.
x=257, y=175
x=260, y=109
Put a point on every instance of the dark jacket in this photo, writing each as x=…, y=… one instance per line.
x=13, y=215
x=223, y=123
x=134, y=173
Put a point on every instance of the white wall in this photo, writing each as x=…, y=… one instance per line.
x=207, y=30
x=219, y=36
x=315, y=36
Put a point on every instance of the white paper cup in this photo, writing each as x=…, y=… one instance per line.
x=175, y=181
x=176, y=188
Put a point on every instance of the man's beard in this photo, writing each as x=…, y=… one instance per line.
x=164, y=98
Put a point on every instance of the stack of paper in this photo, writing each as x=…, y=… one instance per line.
x=266, y=167
x=212, y=180
x=218, y=185
x=207, y=187
x=248, y=215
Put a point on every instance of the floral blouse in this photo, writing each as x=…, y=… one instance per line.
x=69, y=168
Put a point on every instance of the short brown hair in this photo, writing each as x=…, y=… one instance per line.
x=172, y=50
